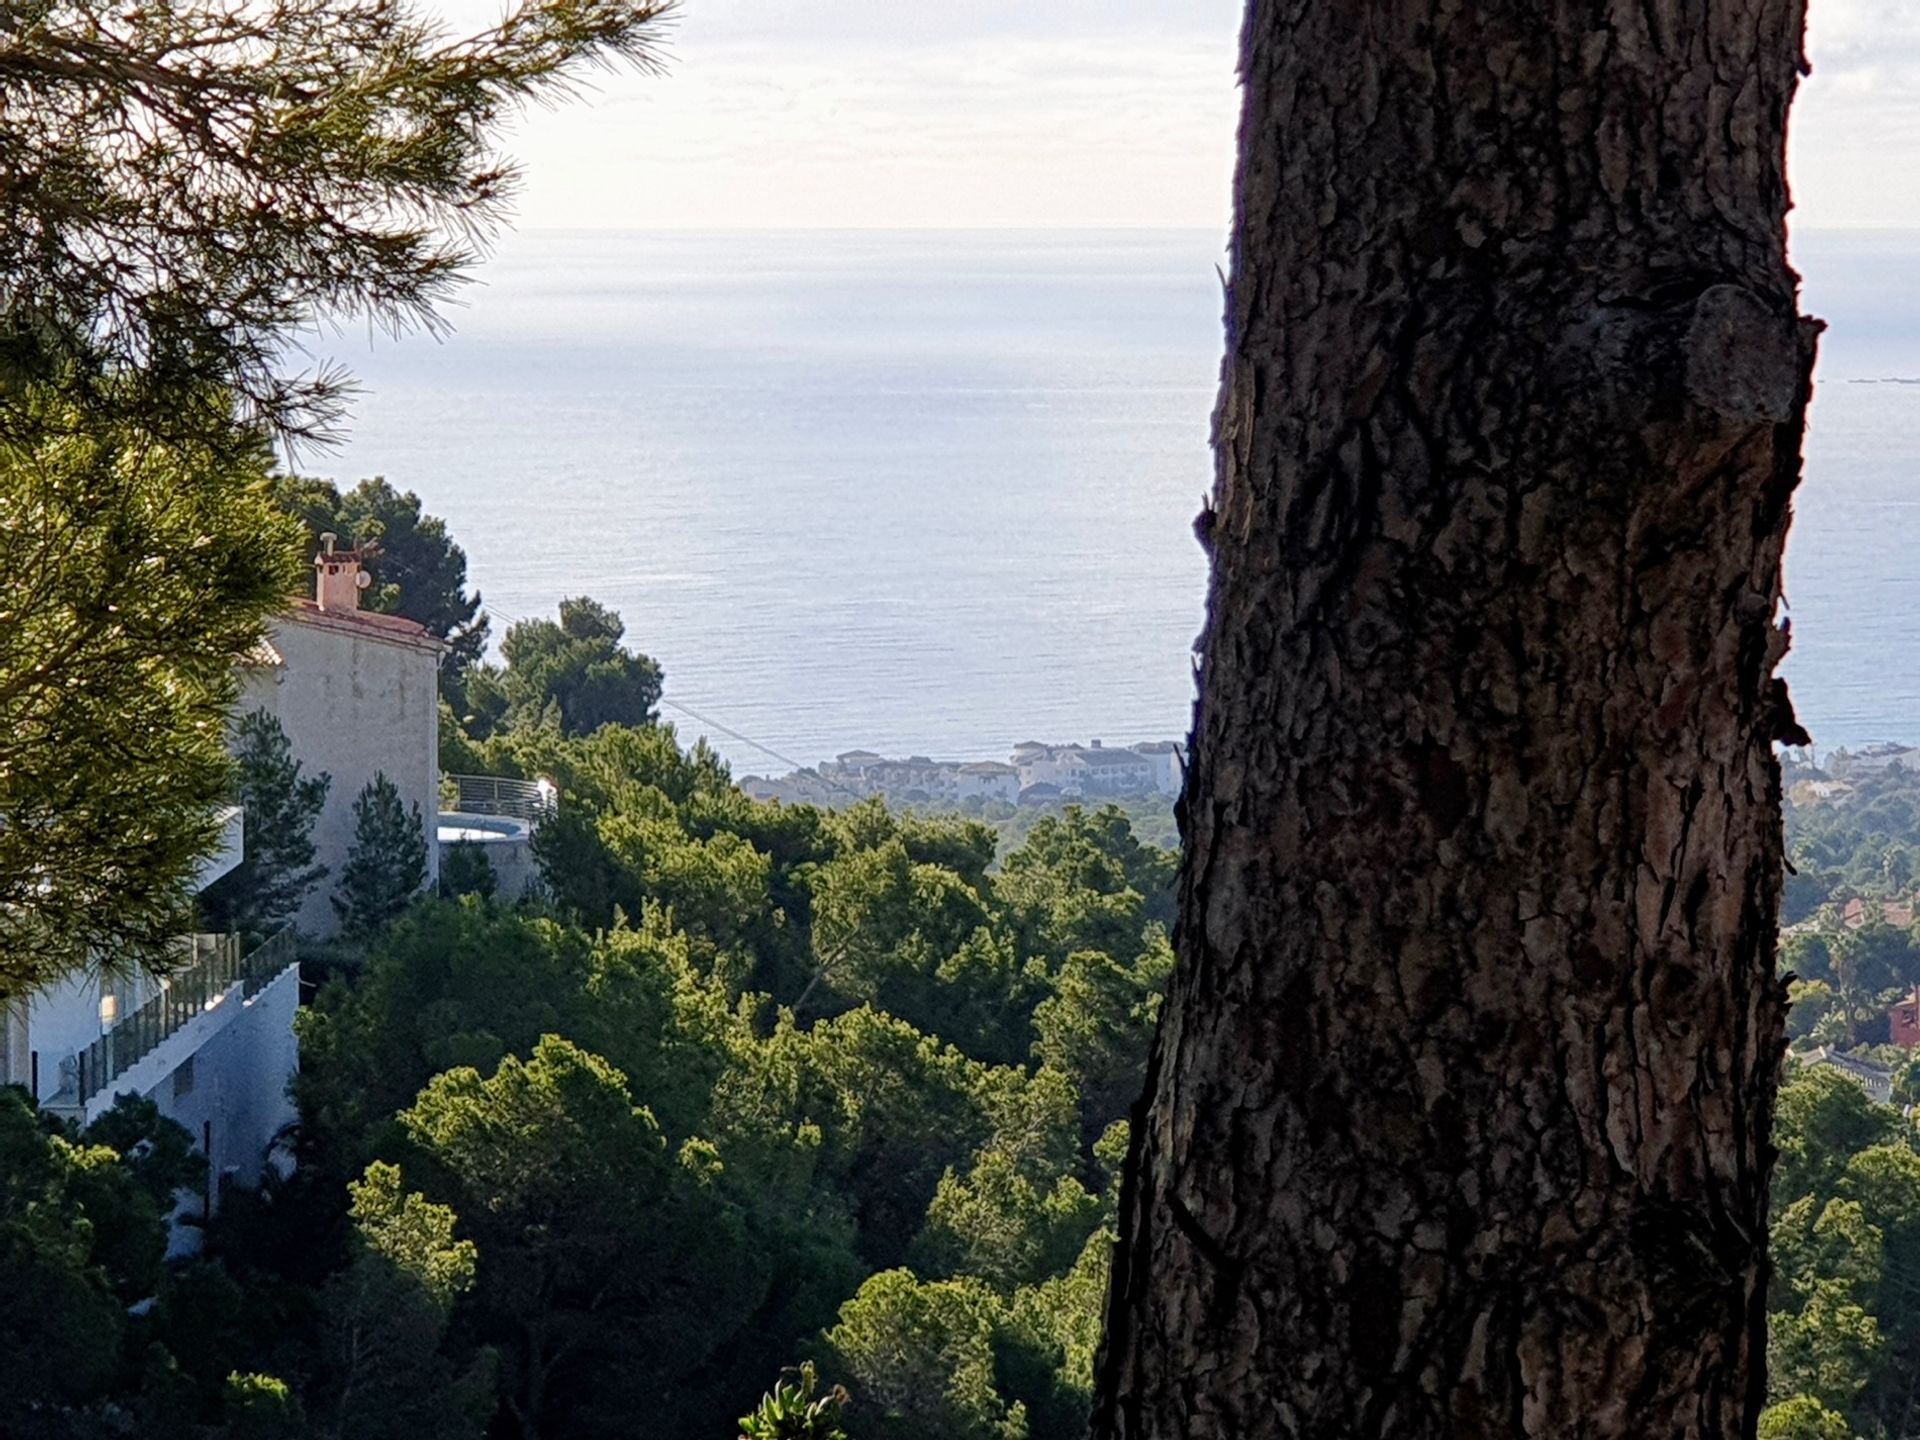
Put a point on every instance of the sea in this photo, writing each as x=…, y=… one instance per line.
x=931, y=492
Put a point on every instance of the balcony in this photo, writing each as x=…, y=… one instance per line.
x=528, y=800
x=231, y=852
x=192, y=1005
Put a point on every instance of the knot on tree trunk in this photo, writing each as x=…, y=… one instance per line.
x=1744, y=359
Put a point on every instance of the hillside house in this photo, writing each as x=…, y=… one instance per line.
x=1100, y=770
x=1903, y=1021
x=987, y=780
x=1857, y=912
x=358, y=694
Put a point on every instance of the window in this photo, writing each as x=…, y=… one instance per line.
x=183, y=1078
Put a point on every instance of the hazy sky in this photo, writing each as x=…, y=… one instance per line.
x=1045, y=112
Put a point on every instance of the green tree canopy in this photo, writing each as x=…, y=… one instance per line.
x=1803, y=1418
x=574, y=669
x=385, y=1322
x=82, y=1234
x=387, y=863
x=268, y=887
x=922, y=1360
x=1822, y=1119
x=600, y=1245
x=195, y=182
x=138, y=570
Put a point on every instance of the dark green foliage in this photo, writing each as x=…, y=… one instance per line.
x=555, y=1175
x=825, y=1023
x=1097, y=1025
x=82, y=1233
x=921, y=1358
x=1844, y=1330
x=203, y=180
x=795, y=1409
x=1150, y=817
x=1082, y=882
x=387, y=863
x=575, y=670
x=1808, y=956
x=269, y=886
x=465, y=870
x=385, y=1373
x=613, y=1264
x=138, y=570
x=1823, y=1117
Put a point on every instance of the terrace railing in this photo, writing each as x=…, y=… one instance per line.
x=495, y=795
x=204, y=983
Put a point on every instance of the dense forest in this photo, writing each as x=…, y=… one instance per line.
x=740, y=1086
x=1853, y=851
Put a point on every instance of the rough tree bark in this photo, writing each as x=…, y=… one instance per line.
x=1457, y=1119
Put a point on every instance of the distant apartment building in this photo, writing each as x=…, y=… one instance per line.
x=988, y=780
x=1099, y=771
x=358, y=694
x=211, y=1044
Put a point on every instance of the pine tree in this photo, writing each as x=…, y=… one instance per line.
x=189, y=184
x=270, y=885
x=1457, y=1117
x=136, y=571
x=387, y=864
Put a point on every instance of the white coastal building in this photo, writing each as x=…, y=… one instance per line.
x=211, y=1045
x=358, y=694
x=1154, y=767
x=1875, y=760
x=987, y=780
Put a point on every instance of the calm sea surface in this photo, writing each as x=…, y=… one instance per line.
x=932, y=493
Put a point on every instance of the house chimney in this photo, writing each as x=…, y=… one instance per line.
x=338, y=576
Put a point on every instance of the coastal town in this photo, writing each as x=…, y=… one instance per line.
x=1033, y=774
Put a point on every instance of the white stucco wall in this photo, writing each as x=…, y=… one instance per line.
x=353, y=705
x=62, y=1021
x=506, y=841
x=239, y=1081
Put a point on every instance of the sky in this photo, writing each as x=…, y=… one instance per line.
x=1038, y=113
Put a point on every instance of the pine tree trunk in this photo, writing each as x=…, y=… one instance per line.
x=1457, y=1119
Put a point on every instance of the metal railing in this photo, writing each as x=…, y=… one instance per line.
x=204, y=983
x=496, y=795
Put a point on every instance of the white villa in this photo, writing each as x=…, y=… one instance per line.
x=1153, y=767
